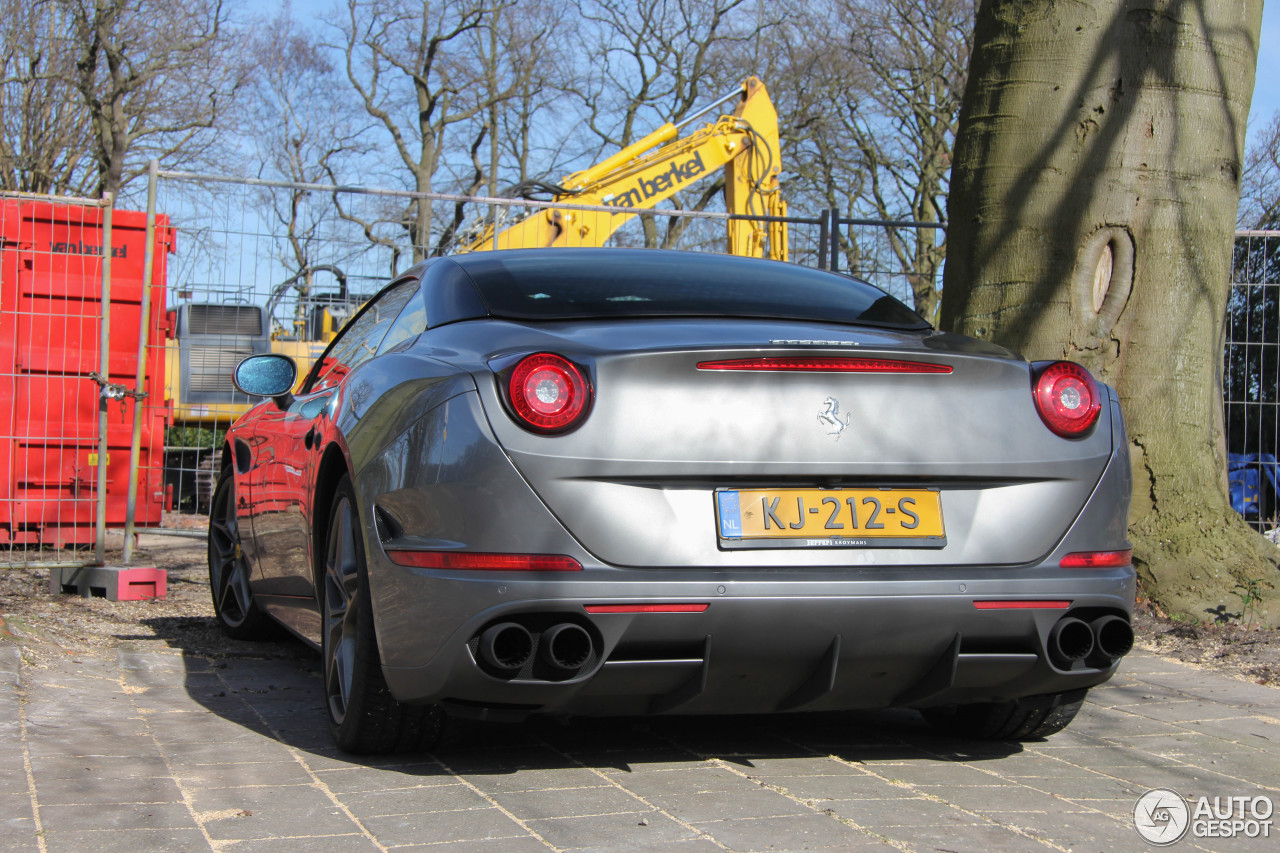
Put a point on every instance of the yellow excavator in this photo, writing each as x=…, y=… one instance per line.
x=647, y=172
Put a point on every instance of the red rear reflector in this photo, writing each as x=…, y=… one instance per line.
x=472, y=561
x=826, y=365
x=645, y=608
x=1022, y=605
x=1097, y=559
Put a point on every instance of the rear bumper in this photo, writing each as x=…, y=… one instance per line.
x=765, y=644
x=781, y=630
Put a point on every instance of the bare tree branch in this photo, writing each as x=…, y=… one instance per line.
x=44, y=125
x=157, y=78
x=420, y=70
x=1260, y=180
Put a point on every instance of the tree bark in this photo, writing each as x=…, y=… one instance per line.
x=1094, y=193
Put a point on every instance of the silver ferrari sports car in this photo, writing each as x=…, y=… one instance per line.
x=624, y=482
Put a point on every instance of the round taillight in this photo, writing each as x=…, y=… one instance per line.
x=548, y=393
x=1067, y=398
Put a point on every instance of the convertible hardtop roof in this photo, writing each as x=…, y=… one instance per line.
x=567, y=284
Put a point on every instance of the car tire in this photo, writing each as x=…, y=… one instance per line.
x=233, y=603
x=364, y=717
x=1028, y=718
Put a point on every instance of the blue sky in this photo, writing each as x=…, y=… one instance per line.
x=1266, y=91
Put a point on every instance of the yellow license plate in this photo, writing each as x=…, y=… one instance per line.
x=826, y=517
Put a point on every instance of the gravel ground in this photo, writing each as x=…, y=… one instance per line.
x=57, y=624
x=1241, y=650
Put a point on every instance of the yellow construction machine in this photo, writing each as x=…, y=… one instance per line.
x=647, y=172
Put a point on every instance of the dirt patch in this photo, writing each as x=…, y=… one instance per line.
x=49, y=623
x=54, y=623
x=1242, y=650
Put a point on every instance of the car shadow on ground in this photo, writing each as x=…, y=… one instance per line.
x=275, y=688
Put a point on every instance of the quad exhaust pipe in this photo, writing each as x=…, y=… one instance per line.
x=1102, y=641
x=1070, y=641
x=1114, y=637
x=565, y=647
x=506, y=646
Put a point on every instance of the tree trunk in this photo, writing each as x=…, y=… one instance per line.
x=1093, y=200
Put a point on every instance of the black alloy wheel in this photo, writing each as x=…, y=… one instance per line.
x=237, y=612
x=363, y=715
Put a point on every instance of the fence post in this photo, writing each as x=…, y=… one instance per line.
x=135, y=446
x=104, y=366
x=824, y=222
x=835, y=240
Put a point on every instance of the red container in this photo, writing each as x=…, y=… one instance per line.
x=50, y=319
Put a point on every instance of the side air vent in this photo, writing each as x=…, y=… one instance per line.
x=386, y=525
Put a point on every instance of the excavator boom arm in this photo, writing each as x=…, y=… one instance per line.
x=657, y=167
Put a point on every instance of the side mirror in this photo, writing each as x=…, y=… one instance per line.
x=268, y=375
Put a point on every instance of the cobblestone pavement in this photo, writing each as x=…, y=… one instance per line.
x=157, y=750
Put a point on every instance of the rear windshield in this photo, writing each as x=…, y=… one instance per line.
x=545, y=284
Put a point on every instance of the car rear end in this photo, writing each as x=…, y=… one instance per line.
x=736, y=514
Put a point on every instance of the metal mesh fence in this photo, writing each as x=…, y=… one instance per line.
x=265, y=266
x=60, y=448
x=1251, y=377
x=257, y=268
x=270, y=267
x=243, y=267
x=240, y=267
